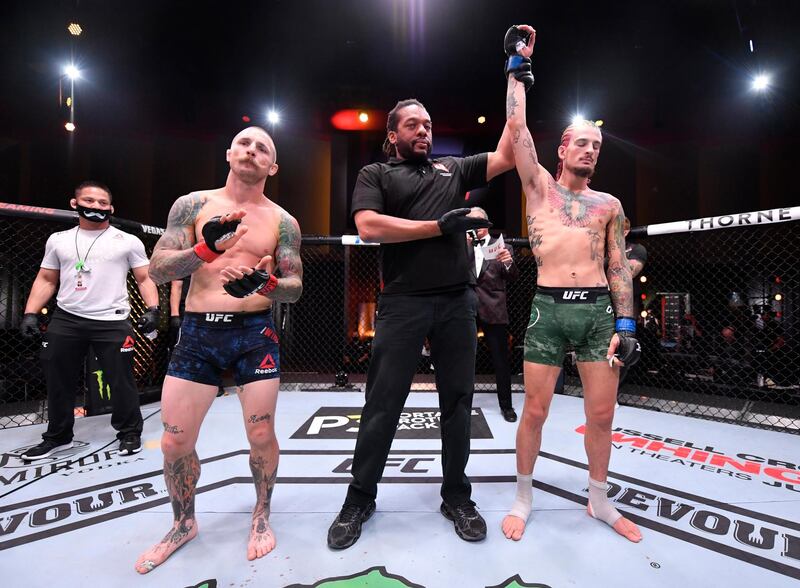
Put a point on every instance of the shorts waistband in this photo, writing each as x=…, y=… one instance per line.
x=225, y=320
x=573, y=295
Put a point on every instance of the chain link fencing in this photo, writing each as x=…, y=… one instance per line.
x=716, y=311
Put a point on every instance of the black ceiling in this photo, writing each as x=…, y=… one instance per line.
x=648, y=68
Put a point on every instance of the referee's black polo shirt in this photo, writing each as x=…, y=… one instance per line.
x=421, y=191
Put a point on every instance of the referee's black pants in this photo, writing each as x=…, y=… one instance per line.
x=64, y=350
x=448, y=320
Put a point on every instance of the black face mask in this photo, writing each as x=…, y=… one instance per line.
x=95, y=215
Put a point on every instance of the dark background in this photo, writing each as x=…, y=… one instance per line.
x=164, y=86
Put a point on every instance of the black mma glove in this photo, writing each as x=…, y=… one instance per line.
x=29, y=327
x=457, y=221
x=259, y=282
x=148, y=322
x=214, y=232
x=516, y=64
x=174, y=330
x=629, y=350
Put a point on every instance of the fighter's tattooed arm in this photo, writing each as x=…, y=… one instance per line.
x=525, y=156
x=173, y=257
x=289, y=266
x=620, y=282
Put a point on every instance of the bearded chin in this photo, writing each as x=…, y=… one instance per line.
x=406, y=151
x=582, y=171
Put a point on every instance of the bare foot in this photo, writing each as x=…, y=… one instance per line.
x=513, y=527
x=623, y=526
x=262, y=539
x=158, y=554
x=628, y=529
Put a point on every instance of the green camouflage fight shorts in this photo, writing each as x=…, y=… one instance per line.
x=581, y=318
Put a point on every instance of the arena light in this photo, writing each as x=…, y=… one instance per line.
x=245, y=118
x=643, y=314
x=598, y=122
x=44, y=310
x=761, y=82
x=577, y=118
x=70, y=126
x=481, y=120
x=74, y=29
x=643, y=279
x=72, y=72
x=778, y=297
x=273, y=117
x=358, y=119
x=644, y=296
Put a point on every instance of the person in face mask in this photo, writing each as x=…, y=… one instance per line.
x=87, y=269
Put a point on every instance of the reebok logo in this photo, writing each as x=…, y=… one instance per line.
x=127, y=347
x=215, y=317
x=267, y=365
x=576, y=294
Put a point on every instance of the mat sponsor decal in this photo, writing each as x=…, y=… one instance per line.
x=376, y=577
x=38, y=519
x=341, y=422
x=15, y=471
x=773, y=472
x=763, y=540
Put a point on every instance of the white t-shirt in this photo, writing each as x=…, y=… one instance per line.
x=99, y=291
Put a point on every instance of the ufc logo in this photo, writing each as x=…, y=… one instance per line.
x=576, y=294
x=218, y=318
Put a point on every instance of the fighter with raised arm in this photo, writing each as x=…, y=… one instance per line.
x=571, y=228
x=225, y=327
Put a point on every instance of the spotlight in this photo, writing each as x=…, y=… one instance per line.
x=74, y=29
x=245, y=118
x=643, y=314
x=643, y=279
x=778, y=297
x=363, y=117
x=69, y=102
x=273, y=117
x=72, y=72
x=598, y=123
x=644, y=296
x=44, y=310
x=577, y=118
x=761, y=82
x=70, y=126
x=481, y=120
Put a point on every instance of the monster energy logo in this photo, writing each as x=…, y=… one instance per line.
x=105, y=394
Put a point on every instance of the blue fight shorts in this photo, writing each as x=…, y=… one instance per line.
x=211, y=342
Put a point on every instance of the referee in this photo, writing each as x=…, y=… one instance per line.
x=88, y=266
x=411, y=205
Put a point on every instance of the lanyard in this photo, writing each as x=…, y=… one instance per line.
x=82, y=262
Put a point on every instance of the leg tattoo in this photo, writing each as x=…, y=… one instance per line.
x=262, y=540
x=181, y=476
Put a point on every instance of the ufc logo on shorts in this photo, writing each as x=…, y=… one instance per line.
x=576, y=294
x=212, y=317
